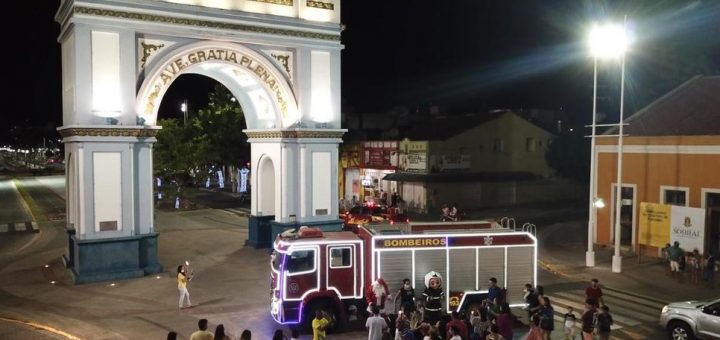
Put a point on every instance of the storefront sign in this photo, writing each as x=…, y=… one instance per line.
x=661, y=224
x=413, y=156
x=687, y=226
x=380, y=155
x=454, y=162
x=654, y=224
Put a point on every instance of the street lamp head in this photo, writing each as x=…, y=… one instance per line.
x=183, y=107
x=607, y=41
x=599, y=203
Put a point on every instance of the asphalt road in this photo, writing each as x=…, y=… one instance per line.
x=12, y=209
x=230, y=285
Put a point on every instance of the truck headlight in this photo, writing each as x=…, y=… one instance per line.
x=274, y=306
x=664, y=310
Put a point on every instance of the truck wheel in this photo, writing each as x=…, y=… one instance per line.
x=678, y=330
x=328, y=309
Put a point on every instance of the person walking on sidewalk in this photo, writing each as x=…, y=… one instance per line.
x=675, y=253
x=604, y=321
x=547, y=318
x=709, y=270
x=594, y=292
x=182, y=280
x=693, y=265
x=666, y=258
x=569, y=324
x=588, y=320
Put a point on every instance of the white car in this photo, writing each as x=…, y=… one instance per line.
x=692, y=320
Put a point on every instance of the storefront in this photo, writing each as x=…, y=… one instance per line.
x=362, y=169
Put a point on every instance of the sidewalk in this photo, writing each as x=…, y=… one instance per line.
x=562, y=251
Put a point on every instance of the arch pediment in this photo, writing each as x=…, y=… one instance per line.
x=266, y=95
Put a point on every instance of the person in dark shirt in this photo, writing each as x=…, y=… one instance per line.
x=588, y=319
x=594, y=292
x=406, y=296
x=494, y=291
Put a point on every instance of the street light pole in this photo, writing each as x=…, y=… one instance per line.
x=592, y=212
x=617, y=259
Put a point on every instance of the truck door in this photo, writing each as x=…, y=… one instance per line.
x=342, y=269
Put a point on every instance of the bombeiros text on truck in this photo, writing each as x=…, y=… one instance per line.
x=331, y=271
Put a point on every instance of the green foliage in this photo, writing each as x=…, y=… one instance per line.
x=222, y=122
x=569, y=155
x=212, y=135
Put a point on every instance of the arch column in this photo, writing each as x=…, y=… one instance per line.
x=109, y=206
x=305, y=189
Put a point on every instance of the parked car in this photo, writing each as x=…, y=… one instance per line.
x=692, y=320
x=370, y=213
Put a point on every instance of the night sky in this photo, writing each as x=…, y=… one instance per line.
x=467, y=56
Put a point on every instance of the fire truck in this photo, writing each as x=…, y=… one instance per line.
x=330, y=271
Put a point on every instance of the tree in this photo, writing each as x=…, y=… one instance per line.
x=175, y=152
x=223, y=142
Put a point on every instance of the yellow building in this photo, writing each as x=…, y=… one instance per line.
x=671, y=155
x=493, y=159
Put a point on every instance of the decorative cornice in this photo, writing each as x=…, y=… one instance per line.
x=108, y=132
x=202, y=23
x=320, y=4
x=294, y=134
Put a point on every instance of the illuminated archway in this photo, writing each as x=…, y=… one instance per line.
x=281, y=61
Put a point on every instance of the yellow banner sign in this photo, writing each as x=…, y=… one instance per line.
x=654, y=224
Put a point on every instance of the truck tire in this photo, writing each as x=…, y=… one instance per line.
x=679, y=330
x=328, y=309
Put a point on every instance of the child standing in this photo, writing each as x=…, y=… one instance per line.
x=569, y=324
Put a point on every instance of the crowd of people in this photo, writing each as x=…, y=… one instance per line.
x=204, y=334
x=491, y=319
x=679, y=264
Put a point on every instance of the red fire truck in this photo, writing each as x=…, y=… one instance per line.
x=330, y=271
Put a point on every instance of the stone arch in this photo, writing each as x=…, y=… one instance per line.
x=266, y=96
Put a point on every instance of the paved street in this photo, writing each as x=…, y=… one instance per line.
x=231, y=281
x=12, y=209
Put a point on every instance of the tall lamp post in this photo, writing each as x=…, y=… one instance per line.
x=606, y=42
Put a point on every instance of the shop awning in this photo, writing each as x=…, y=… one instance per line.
x=461, y=177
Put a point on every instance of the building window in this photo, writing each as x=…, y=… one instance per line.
x=530, y=144
x=499, y=145
x=674, y=195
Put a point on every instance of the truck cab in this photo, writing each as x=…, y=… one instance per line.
x=312, y=270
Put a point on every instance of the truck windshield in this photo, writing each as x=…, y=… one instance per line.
x=301, y=261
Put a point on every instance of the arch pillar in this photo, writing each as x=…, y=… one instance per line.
x=110, y=210
x=305, y=165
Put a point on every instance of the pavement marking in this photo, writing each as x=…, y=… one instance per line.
x=22, y=200
x=19, y=227
x=566, y=299
x=41, y=326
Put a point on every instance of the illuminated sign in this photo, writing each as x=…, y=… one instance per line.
x=412, y=242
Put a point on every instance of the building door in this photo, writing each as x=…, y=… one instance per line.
x=712, y=205
x=627, y=214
